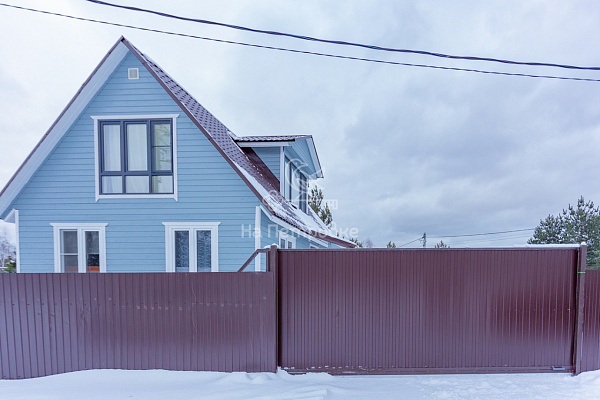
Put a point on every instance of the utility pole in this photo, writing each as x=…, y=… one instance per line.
x=425, y=239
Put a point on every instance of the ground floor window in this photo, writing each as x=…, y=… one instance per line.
x=192, y=246
x=286, y=241
x=79, y=247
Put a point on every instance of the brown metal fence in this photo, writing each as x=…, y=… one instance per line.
x=424, y=311
x=360, y=311
x=53, y=323
x=591, y=324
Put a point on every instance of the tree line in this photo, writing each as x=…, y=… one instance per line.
x=576, y=224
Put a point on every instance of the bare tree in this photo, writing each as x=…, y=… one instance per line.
x=7, y=248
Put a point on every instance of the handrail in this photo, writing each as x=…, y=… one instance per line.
x=249, y=260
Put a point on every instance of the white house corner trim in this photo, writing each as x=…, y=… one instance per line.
x=281, y=169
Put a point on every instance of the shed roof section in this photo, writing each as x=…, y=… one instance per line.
x=301, y=148
x=215, y=131
x=281, y=138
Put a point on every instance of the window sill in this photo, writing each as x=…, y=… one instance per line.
x=136, y=196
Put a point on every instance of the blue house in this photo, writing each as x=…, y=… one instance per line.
x=136, y=176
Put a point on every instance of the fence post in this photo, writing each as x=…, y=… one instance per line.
x=273, y=266
x=580, y=302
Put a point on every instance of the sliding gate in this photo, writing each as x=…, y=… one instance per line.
x=429, y=311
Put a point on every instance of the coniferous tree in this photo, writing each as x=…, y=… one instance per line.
x=441, y=245
x=357, y=242
x=10, y=265
x=576, y=224
x=391, y=245
x=315, y=201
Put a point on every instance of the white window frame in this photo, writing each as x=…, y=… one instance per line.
x=288, y=239
x=97, y=119
x=81, y=228
x=292, y=177
x=192, y=228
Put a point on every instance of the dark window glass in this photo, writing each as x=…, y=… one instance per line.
x=69, y=251
x=136, y=157
x=182, y=251
x=203, y=249
x=92, y=251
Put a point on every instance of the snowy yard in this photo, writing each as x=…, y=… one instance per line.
x=158, y=384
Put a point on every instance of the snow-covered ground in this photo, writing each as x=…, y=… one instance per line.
x=147, y=385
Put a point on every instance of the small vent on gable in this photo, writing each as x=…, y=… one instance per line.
x=133, y=73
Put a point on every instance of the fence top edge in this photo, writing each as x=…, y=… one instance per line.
x=513, y=248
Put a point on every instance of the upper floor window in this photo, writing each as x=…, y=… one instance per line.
x=295, y=186
x=136, y=156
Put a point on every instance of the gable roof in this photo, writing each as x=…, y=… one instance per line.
x=217, y=134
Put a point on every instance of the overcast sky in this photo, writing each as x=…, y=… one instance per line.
x=404, y=150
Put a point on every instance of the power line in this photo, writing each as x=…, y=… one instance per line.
x=488, y=240
x=301, y=51
x=406, y=244
x=341, y=42
x=483, y=234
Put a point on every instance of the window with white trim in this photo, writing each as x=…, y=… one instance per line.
x=192, y=246
x=79, y=247
x=295, y=187
x=136, y=156
x=286, y=241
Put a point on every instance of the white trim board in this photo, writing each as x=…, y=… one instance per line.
x=62, y=124
x=313, y=153
x=281, y=170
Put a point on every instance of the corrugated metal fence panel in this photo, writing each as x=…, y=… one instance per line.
x=53, y=323
x=591, y=322
x=427, y=310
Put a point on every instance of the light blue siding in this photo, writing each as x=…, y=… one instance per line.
x=271, y=156
x=63, y=189
x=300, y=154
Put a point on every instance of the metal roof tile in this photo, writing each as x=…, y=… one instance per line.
x=221, y=137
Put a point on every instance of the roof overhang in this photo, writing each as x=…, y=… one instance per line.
x=263, y=144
